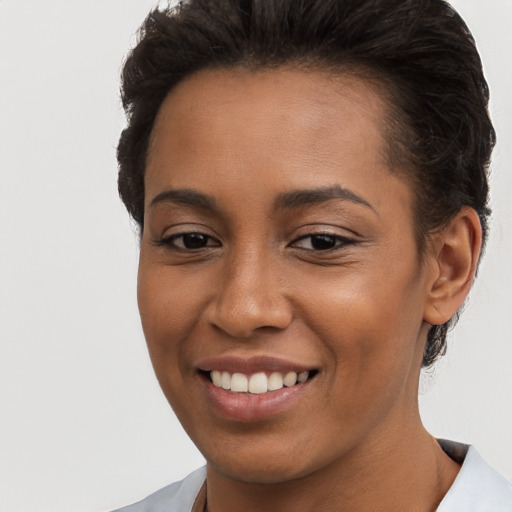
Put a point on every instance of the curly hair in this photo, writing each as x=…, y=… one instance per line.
x=440, y=136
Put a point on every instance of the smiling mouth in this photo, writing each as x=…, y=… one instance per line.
x=257, y=383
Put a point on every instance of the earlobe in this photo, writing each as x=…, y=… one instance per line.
x=456, y=252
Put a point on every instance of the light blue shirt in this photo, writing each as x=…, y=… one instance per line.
x=477, y=488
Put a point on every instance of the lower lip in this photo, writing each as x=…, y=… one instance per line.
x=246, y=407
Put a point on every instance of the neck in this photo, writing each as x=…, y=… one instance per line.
x=409, y=471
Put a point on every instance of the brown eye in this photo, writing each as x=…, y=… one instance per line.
x=194, y=240
x=322, y=242
x=189, y=241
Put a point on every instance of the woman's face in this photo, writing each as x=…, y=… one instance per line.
x=277, y=242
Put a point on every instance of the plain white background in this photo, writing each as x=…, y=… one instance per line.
x=84, y=426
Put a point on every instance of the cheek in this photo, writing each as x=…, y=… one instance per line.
x=371, y=325
x=365, y=307
x=166, y=306
x=167, y=317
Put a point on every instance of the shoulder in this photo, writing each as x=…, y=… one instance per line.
x=478, y=487
x=178, y=497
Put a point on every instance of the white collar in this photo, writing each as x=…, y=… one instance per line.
x=478, y=487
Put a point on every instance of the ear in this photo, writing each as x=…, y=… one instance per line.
x=456, y=250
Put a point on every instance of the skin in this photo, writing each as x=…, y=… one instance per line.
x=357, y=313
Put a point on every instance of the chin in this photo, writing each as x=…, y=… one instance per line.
x=276, y=463
x=260, y=472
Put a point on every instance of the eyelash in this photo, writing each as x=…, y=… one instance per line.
x=170, y=241
x=339, y=242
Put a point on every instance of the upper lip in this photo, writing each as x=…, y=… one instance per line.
x=235, y=364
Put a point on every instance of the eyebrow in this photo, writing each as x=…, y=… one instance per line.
x=186, y=197
x=299, y=198
x=285, y=201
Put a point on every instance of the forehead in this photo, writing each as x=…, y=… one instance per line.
x=311, y=101
x=288, y=128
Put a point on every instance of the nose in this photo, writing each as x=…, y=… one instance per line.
x=249, y=298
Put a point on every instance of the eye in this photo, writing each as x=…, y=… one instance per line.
x=321, y=242
x=189, y=241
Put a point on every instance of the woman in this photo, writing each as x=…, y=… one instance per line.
x=310, y=183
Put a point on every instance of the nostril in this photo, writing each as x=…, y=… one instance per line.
x=246, y=303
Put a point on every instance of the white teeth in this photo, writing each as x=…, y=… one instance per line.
x=302, y=377
x=217, y=378
x=257, y=383
x=275, y=381
x=239, y=383
x=225, y=380
x=290, y=379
